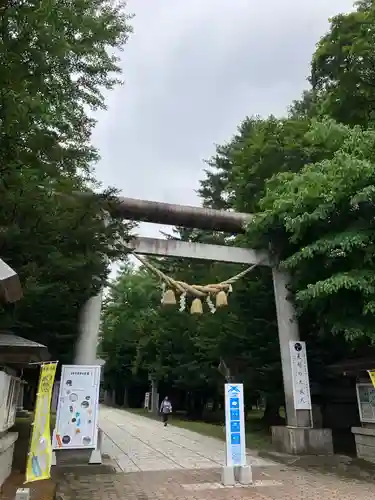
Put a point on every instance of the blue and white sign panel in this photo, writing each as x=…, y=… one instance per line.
x=235, y=425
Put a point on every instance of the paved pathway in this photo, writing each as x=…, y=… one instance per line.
x=205, y=484
x=175, y=464
x=141, y=444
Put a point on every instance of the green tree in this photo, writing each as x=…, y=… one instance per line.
x=261, y=148
x=241, y=172
x=61, y=247
x=55, y=63
x=56, y=59
x=343, y=67
x=238, y=176
x=141, y=338
x=307, y=107
x=320, y=222
x=127, y=310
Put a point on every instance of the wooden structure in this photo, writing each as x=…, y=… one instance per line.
x=15, y=354
x=10, y=286
x=360, y=401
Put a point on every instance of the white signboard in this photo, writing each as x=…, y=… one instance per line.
x=9, y=391
x=77, y=410
x=235, y=425
x=300, y=375
x=147, y=400
x=366, y=402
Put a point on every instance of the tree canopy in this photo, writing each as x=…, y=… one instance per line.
x=343, y=67
x=56, y=58
x=320, y=222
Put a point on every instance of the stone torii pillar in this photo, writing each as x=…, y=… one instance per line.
x=85, y=354
x=89, y=331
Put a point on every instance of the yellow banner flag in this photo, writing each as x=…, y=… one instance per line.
x=372, y=376
x=40, y=454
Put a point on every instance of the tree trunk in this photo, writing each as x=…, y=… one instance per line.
x=215, y=404
x=196, y=406
x=271, y=414
x=125, y=403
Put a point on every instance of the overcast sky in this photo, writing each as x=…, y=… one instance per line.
x=193, y=69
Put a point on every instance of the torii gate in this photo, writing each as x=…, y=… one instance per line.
x=298, y=436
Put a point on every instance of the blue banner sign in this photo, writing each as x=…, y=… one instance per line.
x=235, y=425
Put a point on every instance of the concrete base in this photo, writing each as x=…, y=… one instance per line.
x=302, y=440
x=96, y=454
x=242, y=474
x=7, y=442
x=245, y=475
x=365, y=443
x=23, y=494
x=227, y=476
x=65, y=458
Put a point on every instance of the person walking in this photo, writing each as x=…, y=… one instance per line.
x=165, y=410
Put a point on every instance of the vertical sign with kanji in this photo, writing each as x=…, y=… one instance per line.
x=300, y=374
x=146, y=404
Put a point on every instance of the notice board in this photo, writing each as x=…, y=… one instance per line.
x=366, y=402
x=78, y=408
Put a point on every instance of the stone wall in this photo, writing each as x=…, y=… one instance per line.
x=365, y=443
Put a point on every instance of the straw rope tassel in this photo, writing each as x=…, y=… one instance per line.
x=199, y=292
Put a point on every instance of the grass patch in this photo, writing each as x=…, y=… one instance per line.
x=257, y=437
